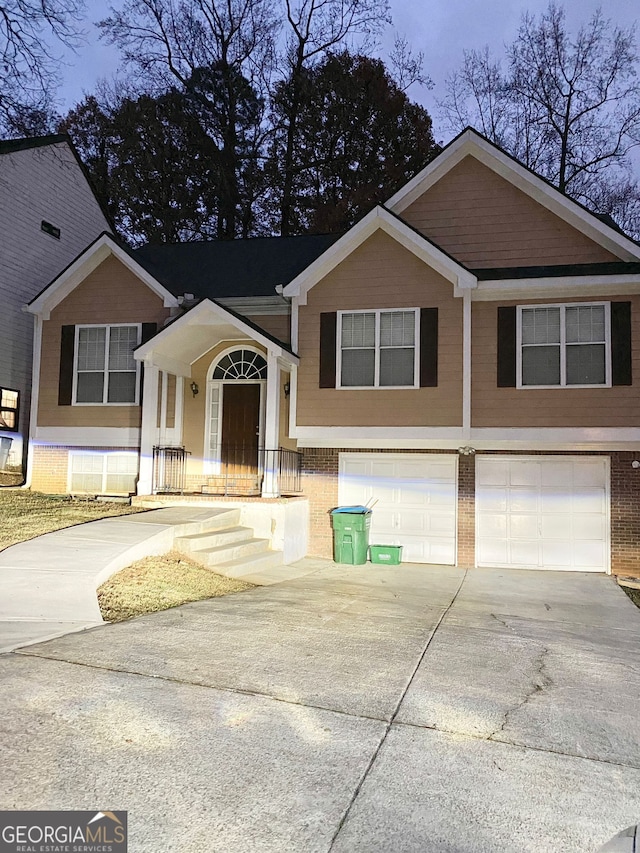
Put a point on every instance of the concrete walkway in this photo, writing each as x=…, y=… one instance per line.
x=48, y=584
x=371, y=709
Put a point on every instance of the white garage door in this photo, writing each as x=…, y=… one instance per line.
x=416, y=496
x=543, y=512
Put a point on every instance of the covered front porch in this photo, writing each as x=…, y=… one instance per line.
x=215, y=409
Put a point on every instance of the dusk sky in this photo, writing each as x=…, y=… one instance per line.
x=441, y=29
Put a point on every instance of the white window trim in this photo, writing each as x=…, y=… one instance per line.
x=105, y=386
x=104, y=455
x=376, y=386
x=563, y=344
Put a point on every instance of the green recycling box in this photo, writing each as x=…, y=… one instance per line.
x=389, y=555
x=350, y=534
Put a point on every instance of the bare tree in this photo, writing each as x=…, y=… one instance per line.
x=567, y=107
x=219, y=51
x=315, y=27
x=27, y=62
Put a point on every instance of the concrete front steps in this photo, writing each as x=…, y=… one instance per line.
x=231, y=550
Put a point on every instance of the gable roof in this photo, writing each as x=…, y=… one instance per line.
x=471, y=143
x=381, y=219
x=188, y=336
x=88, y=260
x=11, y=146
x=216, y=269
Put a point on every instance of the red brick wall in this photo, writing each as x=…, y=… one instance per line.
x=320, y=485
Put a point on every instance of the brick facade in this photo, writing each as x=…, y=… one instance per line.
x=50, y=471
x=320, y=485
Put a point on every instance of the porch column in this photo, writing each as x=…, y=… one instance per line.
x=270, y=488
x=148, y=430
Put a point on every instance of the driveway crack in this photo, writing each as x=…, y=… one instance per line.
x=393, y=716
x=540, y=680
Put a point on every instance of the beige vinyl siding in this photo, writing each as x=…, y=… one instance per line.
x=170, y=405
x=484, y=221
x=110, y=294
x=554, y=407
x=278, y=325
x=283, y=436
x=381, y=274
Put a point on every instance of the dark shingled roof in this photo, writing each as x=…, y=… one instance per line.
x=217, y=269
x=8, y=146
x=555, y=271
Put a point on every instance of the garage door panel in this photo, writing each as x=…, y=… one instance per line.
x=524, y=552
x=524, y=474
x=523, y=500
x=493, y=552
x=523, y=526
x=492, y=525
x=557, y=517
x=492, y=499
x=416, y=496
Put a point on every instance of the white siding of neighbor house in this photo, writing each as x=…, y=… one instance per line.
x=36, y=184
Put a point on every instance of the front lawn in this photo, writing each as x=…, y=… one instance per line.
x=158, y=583
x=25, y=515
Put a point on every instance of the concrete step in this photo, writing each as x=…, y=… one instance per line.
x=235, y=551
x=251, y=564
x=212, y=539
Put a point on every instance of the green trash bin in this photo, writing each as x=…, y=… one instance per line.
x=351, y=534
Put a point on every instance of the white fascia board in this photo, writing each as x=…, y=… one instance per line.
x=379, y=220
x=447, y=438
x=543, y=288
x=87, y=436
x=85, y=264
x=555, y=438
x=548, y=196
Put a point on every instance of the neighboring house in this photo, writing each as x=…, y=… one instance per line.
x=48, y=213
x=467, y=354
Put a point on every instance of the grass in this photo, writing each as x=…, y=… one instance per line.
x=25, y=515
x=158, y=583
x=634, y=594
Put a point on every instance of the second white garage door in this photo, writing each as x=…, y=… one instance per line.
x=543, y=512
x=416, y=496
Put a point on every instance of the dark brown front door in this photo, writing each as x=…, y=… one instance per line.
x=240, y=428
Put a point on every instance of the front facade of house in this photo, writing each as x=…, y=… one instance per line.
x=466, y=356
x=48, y=213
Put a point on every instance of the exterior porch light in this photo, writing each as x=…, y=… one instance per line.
x=466, y=451
x=287, y=389
x=194, y=388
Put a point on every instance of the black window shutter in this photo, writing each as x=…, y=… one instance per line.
x=148, y=331
x=328, y=324
x=428, y=347
x=65, y=383
x=621, y=343
x=507, y=347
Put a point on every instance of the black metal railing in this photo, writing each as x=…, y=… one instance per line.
x=242, y=471
x=169, y=469
x=246, y=469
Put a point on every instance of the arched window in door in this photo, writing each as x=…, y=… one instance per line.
x=241, y=364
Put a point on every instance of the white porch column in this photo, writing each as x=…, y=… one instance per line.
x=149, y=430
x=270, y=488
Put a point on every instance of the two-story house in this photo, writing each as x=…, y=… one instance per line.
x=465, y=355
x=48, y=213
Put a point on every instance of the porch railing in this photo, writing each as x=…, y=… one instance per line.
x=241, y=471
x=169, y=469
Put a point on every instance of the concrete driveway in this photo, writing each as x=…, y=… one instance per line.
x=356, y=709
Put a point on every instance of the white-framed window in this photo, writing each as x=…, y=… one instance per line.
x=9, y=407
x=105, y=371
x=565, y=345
x=378, y=349
x=102, y=473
